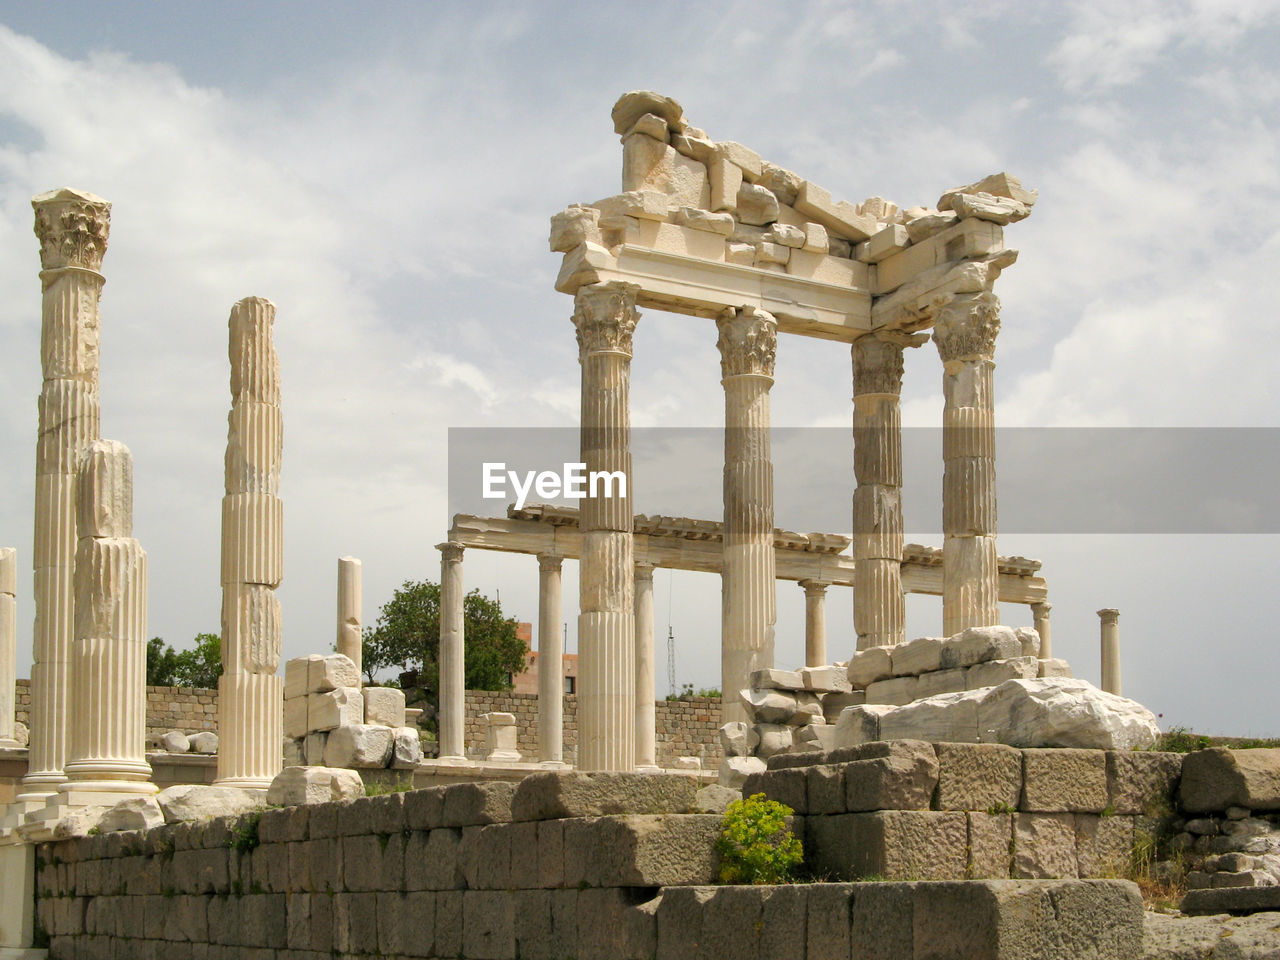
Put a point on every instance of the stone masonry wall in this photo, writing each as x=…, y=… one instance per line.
x=495, y=871
x=189, y=709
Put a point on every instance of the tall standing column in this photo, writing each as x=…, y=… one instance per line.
x=453, y=672
x=72, y=227
x=815, y=622
x=879, y=604
x=107, y=760
x=646, y=708
x=350, y=601
x=250, y=695
x=1110, y=649
x=8, y=644
x=605, y=317
x=965, y=332
x=748, y=344
x=550, y=663
x=1041, y=613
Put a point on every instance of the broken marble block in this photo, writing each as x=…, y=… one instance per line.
x=406, y=748
x=358, y=745
x=384, y=706
x=175, y=741
x=335, y=708
x=769, y=706
x=826, y=679
x=332, y=672
x=205, y=742
x=293, y=786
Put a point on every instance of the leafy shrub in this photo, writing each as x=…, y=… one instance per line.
x=755, y=845
x=1181, y=740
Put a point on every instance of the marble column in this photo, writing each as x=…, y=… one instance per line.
x=815, y=622
x=72, y=227
x=1110, y=625
x=965, y=332
x=107, y=758
x=550, y=663
x=1041, y=613
x=748, y=344
x=646, y=708
x=453, y=673
x=605, y=317
x=250, y=695
x=879, y=604
x=350, y=603
x=8, y=645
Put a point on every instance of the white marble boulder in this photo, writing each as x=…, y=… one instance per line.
x=295, y=786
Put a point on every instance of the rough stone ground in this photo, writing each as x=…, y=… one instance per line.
x=1220, y=937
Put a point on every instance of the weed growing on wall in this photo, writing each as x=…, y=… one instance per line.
x=755, y=845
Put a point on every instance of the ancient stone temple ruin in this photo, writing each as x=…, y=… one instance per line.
x=972, y=758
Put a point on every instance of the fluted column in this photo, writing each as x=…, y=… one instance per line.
x=605, y=318
x=107, y=757
x=72, y=227
x=879, y=604
x=453, y=674
x=8, y=644
x=815, y=622
x=1110, y=626
x=965, y=332
x=550, y=663
x=646, y=708
x=250, y=695
x=1041, y=613
x=748, y=343
x=350, y=602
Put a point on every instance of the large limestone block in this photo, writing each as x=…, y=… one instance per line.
x=1030, y=641
x=990, y=842
x=787, y=786
x=406, y=748
x=641, y=851
x=757, y=206
x=774, y=738
x=744, y=158
x=1215, y=779
x=136, y=813
x=826, y=679
x=859, y=724
x=1142, y=782
x=1044, y=846
x=477, y=804
x=175, y=741
x=929, y=223
x=868, y=666
x=979, y=645
x=891, y=844
x=335, y=708
x=808, y=710
x=833, y=704
x=998, y=185
x=332, y=672
x=941, y=681
x=904, y=780
x=840, y=218
x=554, y=796
x=297, y=676
x=734, y=771
x=986, y=206
x=295, y=786
x=1065, y=712
x=188, y=801
x=297, y=721
x=1064, y=781
x=921, y=655
x=205, y=742
x=771, y=679
x=979, y=776
x=359, y=746
x=834, y=270
x=996, y=672
x=946, y=717
x=575, y=225
x=895, y=691
x=384, y=706
x=649, y=164
x=1104, y=845
x=1053, y=668
x=686, y=241
x=769, y=706
x=720, y=224
x=634, y=104
x=252, y=538
x=736, y=740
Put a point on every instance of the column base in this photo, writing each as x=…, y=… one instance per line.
x=648, y=768
x=553, y=765
x=250, y=784
x=101, y=794
x=39, y=787
x=453, y=761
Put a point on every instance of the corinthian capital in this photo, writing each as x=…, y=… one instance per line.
x=72, y=227
x=877, y=366
x=966, y=328
x=605, y=316
x=748, y=342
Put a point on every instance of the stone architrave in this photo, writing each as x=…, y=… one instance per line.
x=646, y=708
x=1040, y=611
x=965, y=332
x=815, y=622
x=605, y=318
x=748, y=345
x=1110, y=628
x=350, y=601
x=250, y=695
x=879, y=604
x=452, y=656
x=550, y=663
x=107, y=758
x=72, y=227
x=8, y=644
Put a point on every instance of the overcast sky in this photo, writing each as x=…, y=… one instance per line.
x=387, y=178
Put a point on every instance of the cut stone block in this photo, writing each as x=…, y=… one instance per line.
x=895, y=691
x=756, y=205
x=735, y=770
x=406, y=748
x=927, y=224
x=136, y=813
x=313, y=748
x=769, y=706
x=1054, y=668
x=297, y=717
x=1238, y=900
x=295, y=786
x=893, y=844
x=477, y=804
x=825, y=268
x=188, y=801
x=840, y=218
x=685, y=241
x=979, y=776
x=1062, y=781
x=826, y=679
x=726, y=181
x=695, y=219
x=175, y=741
x=859, y=724
x=990, y=840
x=554, y=796
x=297, y=676
x=649, y=164
x=746, y=160
x=824, y=788
x=1142, y=782
x=985, y=206
x=868, y=666
x=383, y=706
x=205, y=742
x=616, y=925
x=771, y=679
x=631, y=106
x=774, y=738
x=576, y=224
x=332, y=672
x=808, y=710
x=996, y=672
x=1030, y=641
x=1218, y=778
x=833, y=704
x=786, y=786
x=736, y=739
x=1065, y=712
x=980, y=645
x=641, y=204
x=903, y=780
x=1104, y=845
x=335, y=708
x=998, y=185
x=641, y=851
x=1044, y=846
x=359, y=745
x=941, y=681
x=883, y=243
x=921, y=655
x=501, y=737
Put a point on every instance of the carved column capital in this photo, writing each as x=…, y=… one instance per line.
x=877, y=366
x=1041, y=608
x=644, y=572
x=551, y=562
x=814, y=588
x=1109, y=615
x=966, y=328
x=72, y=227
x=450, y=551
x=605, y=316
x=748, y=342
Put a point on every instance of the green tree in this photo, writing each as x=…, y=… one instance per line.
x=407, y=635
x=198, y=667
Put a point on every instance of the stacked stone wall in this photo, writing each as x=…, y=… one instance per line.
x=496, y=871
x=189, y=709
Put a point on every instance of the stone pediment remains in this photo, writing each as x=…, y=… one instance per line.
x=704, y=225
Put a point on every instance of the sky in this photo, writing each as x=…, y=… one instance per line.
x=386, y=176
